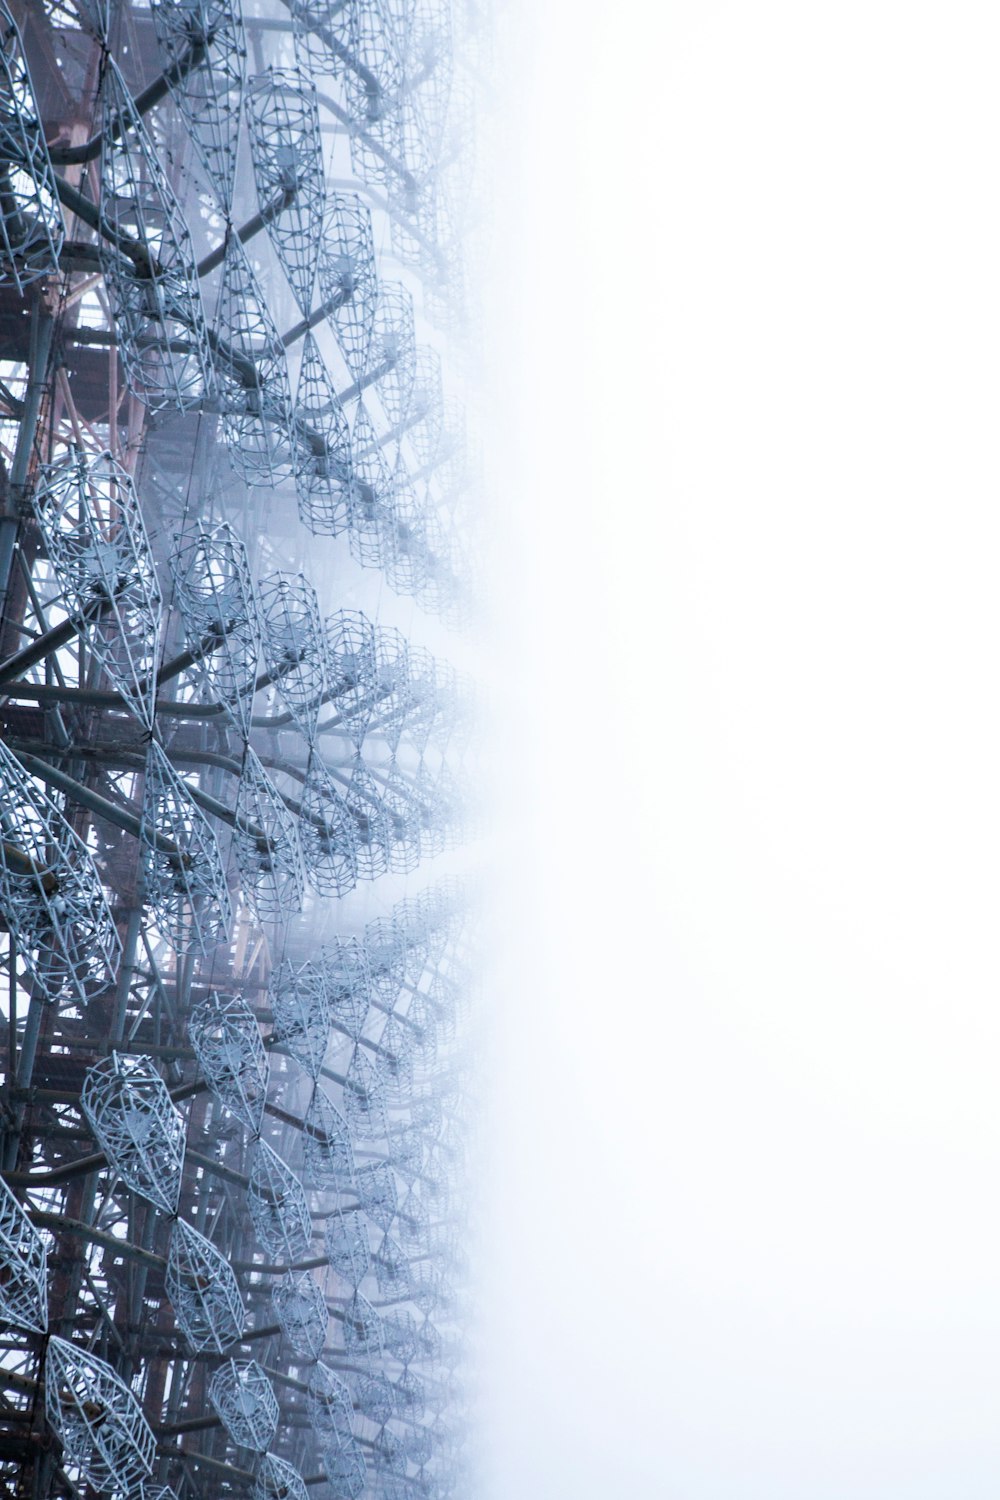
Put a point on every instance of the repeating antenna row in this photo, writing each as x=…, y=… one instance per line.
x=237, y=971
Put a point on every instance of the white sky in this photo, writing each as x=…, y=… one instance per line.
x=742, y=1231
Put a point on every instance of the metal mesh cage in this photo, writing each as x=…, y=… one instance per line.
x=97, y=1419
x=185, y=881
x=23, y=1293
x=139, y=1128
x=300, y=1307
x=227, y=1043
x=277, y=1480
x=31, y=225
x=203, y=1291
x=148, y=263
x=53, y=901
x=89, y=516
x=245, y=1401
x=287, y=152
x=278, y=1206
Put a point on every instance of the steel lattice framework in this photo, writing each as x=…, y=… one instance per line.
x=233, y=1124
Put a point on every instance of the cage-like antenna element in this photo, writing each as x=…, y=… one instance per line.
x=278, y=1206
x=401, y=1336
x=328, y=1156
x=253, y=375
x=31, y=224
x=352, y=670
x=323, y=456
x=287, y=151
x=300, y=1307
x=347, y=1246
x=89, y=516
x=294, y=646
x=247, y=1406
x=137, y=1125
x=23, y=1287
x=403, y=812
x=331, y=1410
x=364, y=1098
x=208, y=96
x=53, y=903
x=230, y=1052
x=148, y=263
x=372, y=90
x=371, y=493
x=348, y=278
x=393, y=683
x=348, y=984
x=322, y=36
x=301, y=1014
x=267, y=844
x=277, y=1480
x=361, y=1328
x=345, y=1469
x=390, y=1453
x=328, y=833
x=376, y=1398
x=214, y=592
x=203, y=1291
x=413, y=1223
x=392, y=1270
x=375, y=1186
x=97, y=1419
x=363, y=797
x=426, y=48
x=392, y=351
x=184, y=877
x=388, y=947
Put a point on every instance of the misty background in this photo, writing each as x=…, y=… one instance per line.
x=740, y=1226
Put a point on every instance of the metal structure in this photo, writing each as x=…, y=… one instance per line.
x=233, y=999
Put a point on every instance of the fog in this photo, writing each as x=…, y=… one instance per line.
x=740, y=1225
